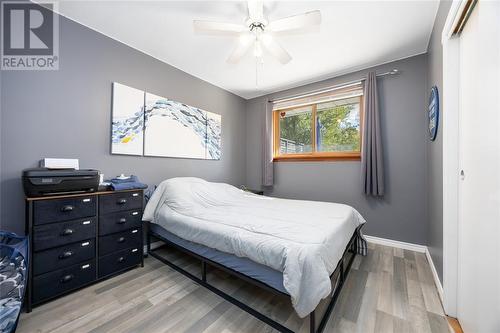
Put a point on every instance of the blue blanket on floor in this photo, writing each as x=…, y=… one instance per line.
x=13, y=278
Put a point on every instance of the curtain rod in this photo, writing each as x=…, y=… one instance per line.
x=331, y=88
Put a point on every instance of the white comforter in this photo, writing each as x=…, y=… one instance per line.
x=303, y=239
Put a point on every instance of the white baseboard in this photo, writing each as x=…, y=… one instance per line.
x=437, y=282
x=395, y=243
x=411, y=247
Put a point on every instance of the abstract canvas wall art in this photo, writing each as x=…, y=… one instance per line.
x=163, y=127
x=214, y=136
x=173, y=129
x=127, y=132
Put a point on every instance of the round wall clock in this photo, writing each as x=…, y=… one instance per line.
x=433, y=113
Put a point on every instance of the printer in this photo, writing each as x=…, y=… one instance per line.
x=39, y=182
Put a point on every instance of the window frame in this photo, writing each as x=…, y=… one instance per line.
x=314, y=155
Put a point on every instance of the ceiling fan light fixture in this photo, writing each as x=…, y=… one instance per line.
x=245, y=38
x=256, y=32
x=252, y=22
x=266, y=38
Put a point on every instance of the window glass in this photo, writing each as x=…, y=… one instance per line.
x=295, y=128
x=338, y=126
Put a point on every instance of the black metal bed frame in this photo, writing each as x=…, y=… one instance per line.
x=342, y=270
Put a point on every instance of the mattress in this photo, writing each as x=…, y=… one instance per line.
x=259, y=272
x=304, y=240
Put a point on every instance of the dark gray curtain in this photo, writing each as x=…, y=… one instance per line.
x=267, y=146
x=372, y=165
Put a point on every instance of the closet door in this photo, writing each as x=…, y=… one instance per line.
x=479, y=189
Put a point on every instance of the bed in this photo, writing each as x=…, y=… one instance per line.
x=291, y=247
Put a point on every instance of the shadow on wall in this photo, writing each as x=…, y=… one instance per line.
x=13, y=189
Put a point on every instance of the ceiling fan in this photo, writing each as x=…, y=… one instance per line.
x=258, y=32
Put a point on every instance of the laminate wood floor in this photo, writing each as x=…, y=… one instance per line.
x=389, y=290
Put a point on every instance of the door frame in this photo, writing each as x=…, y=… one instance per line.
x=451, y=165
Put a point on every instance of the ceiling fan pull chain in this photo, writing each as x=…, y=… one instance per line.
x=256, y=72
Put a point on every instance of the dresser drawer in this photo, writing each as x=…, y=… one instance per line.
x=118, y=261
x=122, y=240
x=116, y=222
x=48, y=211
x=62, y=233
x=121, y=201
x=64, y=256
x=52, y=284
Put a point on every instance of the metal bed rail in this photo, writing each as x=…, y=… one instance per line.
x=342, y=270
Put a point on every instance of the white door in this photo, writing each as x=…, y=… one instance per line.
x=479, y=190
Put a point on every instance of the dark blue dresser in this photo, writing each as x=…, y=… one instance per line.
x=79, y=239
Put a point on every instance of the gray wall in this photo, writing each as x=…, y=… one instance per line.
x=402, y=214
x=435, y=149
x=67, y=113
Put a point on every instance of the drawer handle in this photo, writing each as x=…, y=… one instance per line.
x=67, y=232
x=121, y=239
x=67, y=278
x=121, y=259
x=122, y=201
x=122, y=220
x=65, y=255
x=67, y=209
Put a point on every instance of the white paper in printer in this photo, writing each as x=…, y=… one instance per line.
x=60, y=163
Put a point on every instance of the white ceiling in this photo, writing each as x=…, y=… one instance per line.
x=353, y=35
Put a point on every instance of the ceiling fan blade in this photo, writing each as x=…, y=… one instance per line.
x=256, y=10
x=245, y=41
x=217, y=28
x=296, y=22
x=275, y=49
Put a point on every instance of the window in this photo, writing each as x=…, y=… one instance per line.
x=320, y=128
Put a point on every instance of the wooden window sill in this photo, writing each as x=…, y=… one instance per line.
x=317, y=158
